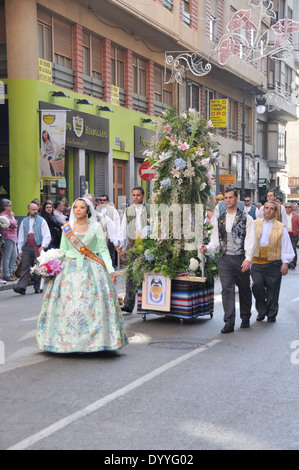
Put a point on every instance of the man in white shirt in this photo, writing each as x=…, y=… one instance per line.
x=34, y=236
x=133, y=222
x=234, y=235
x=107, y=210
x=271, y=259
x=58, y=212
x=281, y=214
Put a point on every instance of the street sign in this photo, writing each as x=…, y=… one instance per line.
x=145, y=173
x=227, y=179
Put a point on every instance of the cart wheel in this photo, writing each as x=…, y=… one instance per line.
x=211, y=315
x=181, y=321
x=144, y=317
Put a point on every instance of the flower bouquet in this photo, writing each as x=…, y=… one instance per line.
x=49, y=264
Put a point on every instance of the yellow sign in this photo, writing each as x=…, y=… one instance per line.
x=219, y=112
x=114, y=94
x=45, y=71
x=227, y=179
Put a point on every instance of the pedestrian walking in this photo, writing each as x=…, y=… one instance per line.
x=10, y=236
x=234, y=236
x=107, y=209
x=280, y=214
x=80, y=311
x=293, y=230
x=135, y=218
x=249, y=208
x=272, y=256
x=34, y=236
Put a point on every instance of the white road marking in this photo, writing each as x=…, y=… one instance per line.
x=30, y=319
x=24, y=357
x=93, y=407
x=30, y=334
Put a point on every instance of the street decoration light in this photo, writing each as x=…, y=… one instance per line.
x=260, y=101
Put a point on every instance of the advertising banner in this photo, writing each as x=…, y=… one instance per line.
x=53, y=133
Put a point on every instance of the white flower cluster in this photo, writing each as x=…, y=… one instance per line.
x=49, y=255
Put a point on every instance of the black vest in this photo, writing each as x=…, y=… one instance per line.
x=238, y=232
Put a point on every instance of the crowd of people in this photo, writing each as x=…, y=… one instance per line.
x=257, y=245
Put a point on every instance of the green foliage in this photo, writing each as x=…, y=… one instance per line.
x=183, y=155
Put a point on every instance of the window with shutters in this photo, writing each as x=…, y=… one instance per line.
x=3, y=57
x=63, y=43
x=139, y=76
x=163, y=94
x=92, y=56
x=117, y=67
x=44, y=35
x=55, y=44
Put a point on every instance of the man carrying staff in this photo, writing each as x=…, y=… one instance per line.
x=272, y=256
x=235, y=235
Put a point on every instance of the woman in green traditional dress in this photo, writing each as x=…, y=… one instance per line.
x=80, y=311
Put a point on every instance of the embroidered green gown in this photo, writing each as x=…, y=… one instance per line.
x=80, y=311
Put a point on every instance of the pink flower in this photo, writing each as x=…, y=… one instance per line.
x=210, y=124
x=167, y=128
x=176, y=172
x=184, y=115
x=172, y=139
x=184, y=146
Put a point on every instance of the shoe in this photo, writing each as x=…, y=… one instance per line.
x=126, y=310
x=271, y=320
x=260, y=317
x=227, y=329
x=245, y=324
x=8, y=278
x=2, y=283
x=19, y=290
x=38, y=291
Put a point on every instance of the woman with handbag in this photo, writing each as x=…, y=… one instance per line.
x=80, y=311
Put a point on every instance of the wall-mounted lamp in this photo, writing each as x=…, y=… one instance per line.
x=105, y=108
x=84, y=101
x=59, y=94
x=147, y=121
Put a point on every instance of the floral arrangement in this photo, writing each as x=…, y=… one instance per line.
x=49, y=263
x=183, y=154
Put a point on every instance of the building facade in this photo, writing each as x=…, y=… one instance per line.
x=103, y=62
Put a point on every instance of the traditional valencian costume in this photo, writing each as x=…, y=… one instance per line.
x=80, y=311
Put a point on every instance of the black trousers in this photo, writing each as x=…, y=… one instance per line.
x=266, y=287
x=230, y=273
x=28, y=259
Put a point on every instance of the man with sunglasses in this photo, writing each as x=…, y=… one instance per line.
x=293, y=230
x=249, y=208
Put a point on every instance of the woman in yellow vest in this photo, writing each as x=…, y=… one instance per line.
x=272, y=256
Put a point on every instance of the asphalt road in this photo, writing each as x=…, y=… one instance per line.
x=181, y=387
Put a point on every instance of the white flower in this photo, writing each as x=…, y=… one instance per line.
x=193, y=264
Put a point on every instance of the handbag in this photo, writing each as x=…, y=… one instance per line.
x=18, y=270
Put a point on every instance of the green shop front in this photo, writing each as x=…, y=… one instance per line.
x=86, y=155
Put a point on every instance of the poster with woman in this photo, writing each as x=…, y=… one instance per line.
x=52, y=156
